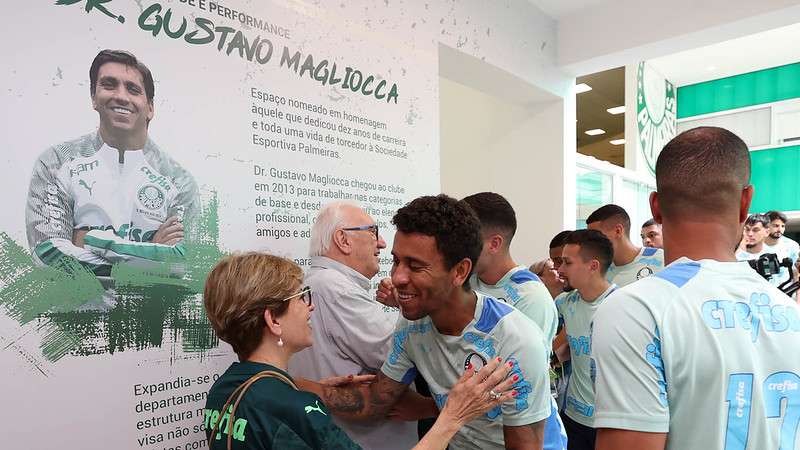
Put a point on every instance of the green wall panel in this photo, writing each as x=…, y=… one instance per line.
x=739, y=91
x=775, y=174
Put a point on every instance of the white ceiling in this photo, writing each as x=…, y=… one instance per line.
x=746, y=54
x=560, y=8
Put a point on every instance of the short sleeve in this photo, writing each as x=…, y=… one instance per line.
x=560, y=302
x=530, y=359
x=630, y=384
x=399, y=366
x=538, y=306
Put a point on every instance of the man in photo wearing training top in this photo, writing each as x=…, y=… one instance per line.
x=630, y=263
x=587, y=257
x=497, y=275
x=111, y=195
x=448, y=328
x=703, y=354
x=651, y=234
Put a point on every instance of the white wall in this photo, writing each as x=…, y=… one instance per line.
x=490, y=144
x=614, y=33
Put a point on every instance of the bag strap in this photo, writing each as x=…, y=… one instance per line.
x=238, y=393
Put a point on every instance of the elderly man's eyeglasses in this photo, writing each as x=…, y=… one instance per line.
x=305, y=293
x=372, y=228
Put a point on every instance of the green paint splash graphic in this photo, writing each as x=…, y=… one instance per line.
x=149, y=304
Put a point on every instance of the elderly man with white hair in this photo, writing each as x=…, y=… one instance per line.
x=351, y=330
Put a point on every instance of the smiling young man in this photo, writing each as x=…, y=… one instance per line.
x=111, y=195
x=448, y=328
x=586, y=258
x=703, y=354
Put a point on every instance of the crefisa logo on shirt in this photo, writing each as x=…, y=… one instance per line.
x=644, y=272
x=151, y=197
x=476, y=360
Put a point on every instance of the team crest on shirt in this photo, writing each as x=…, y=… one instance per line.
x=476, y=360
x=151, y=197
x=644, y=272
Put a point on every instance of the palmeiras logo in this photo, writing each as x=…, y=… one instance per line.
x=644, y=272
x=476, y=360
x=655, y=113
x=151, y=197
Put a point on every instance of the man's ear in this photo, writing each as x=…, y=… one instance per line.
x=594, y=265
x=619, y=230
x=342, y=241
x=746, y=199
x=461, y=272
x=655, y=208
x=496, y=243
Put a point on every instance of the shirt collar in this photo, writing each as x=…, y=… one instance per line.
x=323, y=262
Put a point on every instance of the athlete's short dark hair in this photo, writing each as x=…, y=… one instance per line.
x=701, y=172
x=777, y=215
x=611, y=211
x=753, y=219
x=558, y=239
x=649, y=223
x=494, y=212
x=594, y=245
x=453, y=225
x=121, y=57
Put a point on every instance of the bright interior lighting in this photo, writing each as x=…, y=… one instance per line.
x=581, y=88
x=595, y=132
x=616, y=141
x=616, y=110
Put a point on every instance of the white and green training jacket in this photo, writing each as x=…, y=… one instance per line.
x=122, y=199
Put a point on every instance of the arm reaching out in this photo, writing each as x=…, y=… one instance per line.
x=358, y=401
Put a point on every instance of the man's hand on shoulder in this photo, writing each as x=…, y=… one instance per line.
x=170, y=232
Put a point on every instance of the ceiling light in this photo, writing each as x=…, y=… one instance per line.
x=616, y=141
x=710, y=68
x=616, y=110
x=595, y=132
x=581, y=88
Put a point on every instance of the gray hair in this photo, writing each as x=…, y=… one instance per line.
x=329, y=219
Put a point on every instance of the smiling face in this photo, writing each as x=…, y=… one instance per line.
x=550, y=277
x=296, y=323
x=121, y=102
x=420, y=276
x=365, y=246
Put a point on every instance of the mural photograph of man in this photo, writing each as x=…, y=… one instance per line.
x=111, y=195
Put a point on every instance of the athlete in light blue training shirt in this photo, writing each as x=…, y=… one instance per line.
x=497, y=275
x=704, y=354
x=586, y=257
x=631, y=263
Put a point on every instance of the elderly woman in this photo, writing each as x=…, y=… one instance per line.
x=257, y=303
x=547, y=272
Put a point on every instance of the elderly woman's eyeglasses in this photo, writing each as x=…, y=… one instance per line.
x=305, y=293
x=373, y=228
